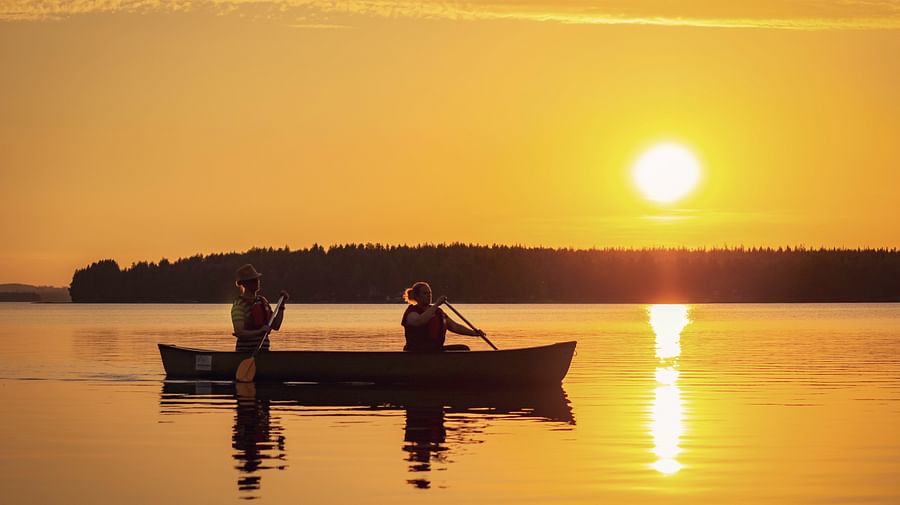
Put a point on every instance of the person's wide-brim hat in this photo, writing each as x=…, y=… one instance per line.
x=247, y=272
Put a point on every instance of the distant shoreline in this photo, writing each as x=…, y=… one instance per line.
x=372, y=273
x=13, y=292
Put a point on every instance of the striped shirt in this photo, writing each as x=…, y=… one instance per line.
x=242, y=317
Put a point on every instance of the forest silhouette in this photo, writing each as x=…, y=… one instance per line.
x=374, y=273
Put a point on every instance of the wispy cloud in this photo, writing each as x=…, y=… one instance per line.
x=677, y=217
x=673, y=227
x=772, y=14
x=319, y=26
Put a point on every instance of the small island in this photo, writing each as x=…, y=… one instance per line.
x=29, y=293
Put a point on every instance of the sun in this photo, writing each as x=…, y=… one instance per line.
x=666, y=173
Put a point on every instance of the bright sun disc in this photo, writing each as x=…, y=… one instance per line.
x=666, y=173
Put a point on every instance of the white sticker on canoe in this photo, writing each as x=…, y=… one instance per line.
x=203, y=362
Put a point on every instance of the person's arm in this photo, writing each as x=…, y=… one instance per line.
x=416, y=319
x=462, y=330
x=276, y=324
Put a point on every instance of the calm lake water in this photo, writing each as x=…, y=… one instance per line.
x=662, y=404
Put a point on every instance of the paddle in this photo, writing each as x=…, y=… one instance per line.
x=470, y=325
x=247, y=369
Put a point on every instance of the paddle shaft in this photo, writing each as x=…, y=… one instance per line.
x=471, y=325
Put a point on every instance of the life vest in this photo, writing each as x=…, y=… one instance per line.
x=260, y=313
x=428, y=337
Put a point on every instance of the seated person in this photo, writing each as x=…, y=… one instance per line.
x=426, y=325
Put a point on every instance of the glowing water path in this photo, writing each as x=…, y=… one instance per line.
x=667, y=412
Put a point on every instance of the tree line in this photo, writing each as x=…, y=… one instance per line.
x=372, y=273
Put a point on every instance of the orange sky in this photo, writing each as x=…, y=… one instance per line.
x=142, y=132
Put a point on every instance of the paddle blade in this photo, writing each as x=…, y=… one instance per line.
x=245, y=389
x=246, y=370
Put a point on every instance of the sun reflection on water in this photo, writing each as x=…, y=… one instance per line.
x=667, y=412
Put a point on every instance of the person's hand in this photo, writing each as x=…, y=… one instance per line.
x=479, y=333
x=440, y=301
x=285, y=295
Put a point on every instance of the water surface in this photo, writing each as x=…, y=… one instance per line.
x=662, y=404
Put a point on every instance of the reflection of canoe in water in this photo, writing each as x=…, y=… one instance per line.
x=542, y=403
x=544, y=365
x=437, y=420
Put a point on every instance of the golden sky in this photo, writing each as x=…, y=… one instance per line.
x=138, y=130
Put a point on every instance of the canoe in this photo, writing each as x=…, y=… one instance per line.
x=543, y=365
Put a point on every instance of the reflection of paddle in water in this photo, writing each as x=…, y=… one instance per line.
x=256, y=436
x=424, y=437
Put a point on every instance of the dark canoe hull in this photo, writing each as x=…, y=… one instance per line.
x=544, y=365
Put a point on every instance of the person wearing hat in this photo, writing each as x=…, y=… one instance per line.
x=250, y=312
